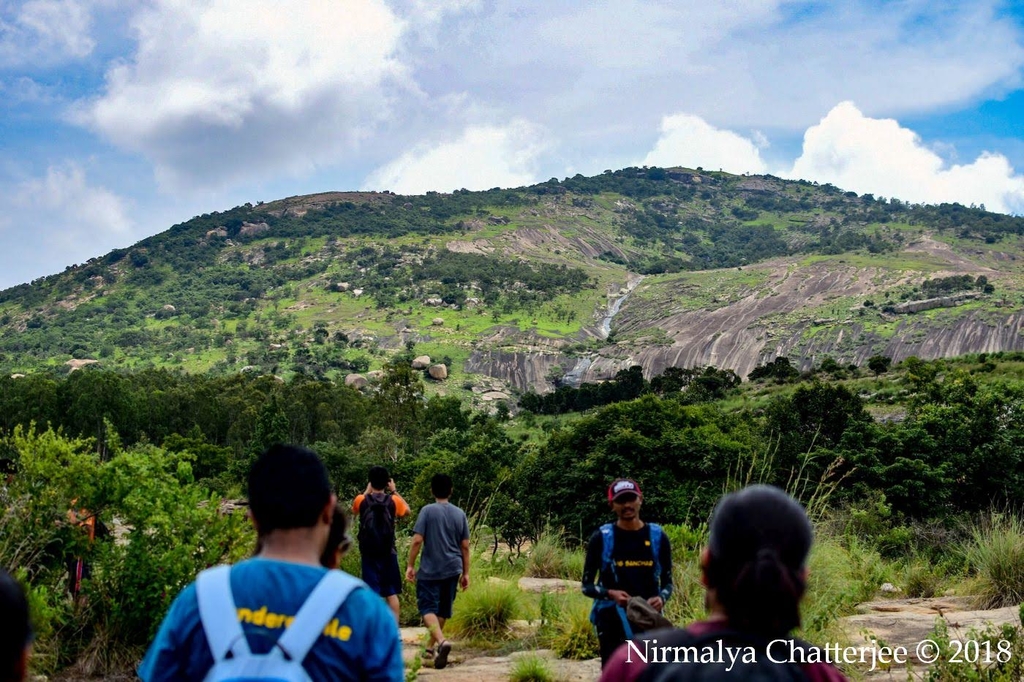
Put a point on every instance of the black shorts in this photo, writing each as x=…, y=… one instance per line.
x=436, y=596
x=382, y=575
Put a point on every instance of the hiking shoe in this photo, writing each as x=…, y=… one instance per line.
x=443, y=649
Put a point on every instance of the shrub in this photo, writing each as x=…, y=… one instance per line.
x=840, y=578
x=995, y=654
x=566, y=626
x=531, y=668
x=922, y=580
x=167, y=529
x=996, y=553
x=549, y=558
x=487, y=611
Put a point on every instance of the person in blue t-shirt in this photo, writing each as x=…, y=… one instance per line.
x=292, y=508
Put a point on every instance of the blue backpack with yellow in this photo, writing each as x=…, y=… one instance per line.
x=608, y=564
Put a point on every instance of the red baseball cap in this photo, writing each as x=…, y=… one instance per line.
x=623, y=486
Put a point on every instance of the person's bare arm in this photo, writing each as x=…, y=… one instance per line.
x=464, y=579
x=414, y=551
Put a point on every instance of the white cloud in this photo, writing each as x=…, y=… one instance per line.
x=45, y=32
x=854, y=152
x=599, y=74
x=25, y=91
x=482, y=157
x=50, y=220
x=222, y=90
x=434, y=10
x=690, y=141
x=878, y=156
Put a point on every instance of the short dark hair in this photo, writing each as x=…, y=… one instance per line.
x=337, y=539
x=288, y=488
x=758, y=545
x=441, y=486
x=379, y=477
x=15, y=629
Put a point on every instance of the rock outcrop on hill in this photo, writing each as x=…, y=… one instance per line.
x=774, y=318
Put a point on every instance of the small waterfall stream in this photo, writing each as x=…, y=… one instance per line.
x=606, y=323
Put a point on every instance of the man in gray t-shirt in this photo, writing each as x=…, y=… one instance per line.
x=442, y=530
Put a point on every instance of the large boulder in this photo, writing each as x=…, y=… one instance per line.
x=356, y=381
x=437, y=322
x=421, y=362
x=439, y=372
x=253, y=228
x=541, y=585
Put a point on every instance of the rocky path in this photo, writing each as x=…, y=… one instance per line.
x=890, y=622
x=910, y=622
x=469, y=665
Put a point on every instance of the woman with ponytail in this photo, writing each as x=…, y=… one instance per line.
x=755, y=572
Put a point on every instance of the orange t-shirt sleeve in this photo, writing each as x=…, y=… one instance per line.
x=355, y=505
x=401, y=506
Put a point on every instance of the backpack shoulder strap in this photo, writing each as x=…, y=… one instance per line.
x=607, y=545
x=218, y=614
x=321, y=605
x=656, y=535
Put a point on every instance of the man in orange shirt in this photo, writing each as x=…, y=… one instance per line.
x=78, y=568
x=377, y=509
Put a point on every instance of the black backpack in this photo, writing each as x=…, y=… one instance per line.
x=762, y=670
x=377, y=525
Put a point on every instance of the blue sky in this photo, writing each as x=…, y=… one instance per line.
x=120, y=118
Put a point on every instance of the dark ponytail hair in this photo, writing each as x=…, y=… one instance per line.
x=759, y=541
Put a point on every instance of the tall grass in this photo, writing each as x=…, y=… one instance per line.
x=531, y=668
x=687, y=602
x=487, y=611
x=566, y=626
x=550, y=558
x=841, y=575
x=995, y=552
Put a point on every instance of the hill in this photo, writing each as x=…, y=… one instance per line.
x=560, y=282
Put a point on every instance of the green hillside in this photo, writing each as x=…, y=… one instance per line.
x=515, y=283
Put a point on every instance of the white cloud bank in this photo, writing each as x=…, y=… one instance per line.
x=224, y=90
x=854, y=152
x=878, y=156
x=50, y=220
x=483, y=157
x=690, y=141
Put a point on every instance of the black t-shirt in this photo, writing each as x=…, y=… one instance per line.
x=634, y=563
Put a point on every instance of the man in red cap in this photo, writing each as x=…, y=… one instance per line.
x=629, y=559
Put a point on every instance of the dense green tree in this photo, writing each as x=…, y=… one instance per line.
x=879, y=364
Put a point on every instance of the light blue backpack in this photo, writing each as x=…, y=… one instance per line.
x=233, y=661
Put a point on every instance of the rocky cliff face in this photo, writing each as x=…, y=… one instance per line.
x=707, y=341
x=737, y=320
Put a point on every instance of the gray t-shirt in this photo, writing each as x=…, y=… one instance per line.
x=443, y=527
